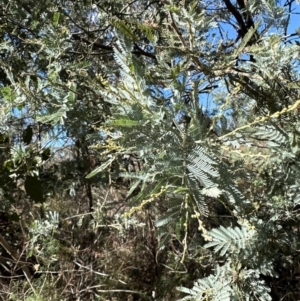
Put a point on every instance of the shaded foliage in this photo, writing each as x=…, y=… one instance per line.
x=142, y=150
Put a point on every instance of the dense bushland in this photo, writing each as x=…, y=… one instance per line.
x=149, y=150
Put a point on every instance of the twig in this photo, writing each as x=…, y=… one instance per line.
x=12, y=253
x=90, y=269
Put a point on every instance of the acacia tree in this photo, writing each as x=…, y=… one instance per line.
x=122, y=85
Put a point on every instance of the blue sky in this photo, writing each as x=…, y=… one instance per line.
x=207, y=99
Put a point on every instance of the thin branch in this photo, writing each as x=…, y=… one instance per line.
x=12, y=253
x=137, y=51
